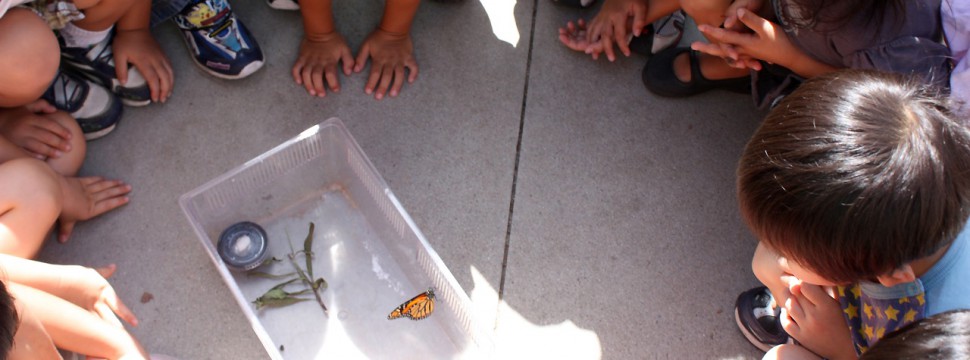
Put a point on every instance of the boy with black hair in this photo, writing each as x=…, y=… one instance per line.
x=857, y=187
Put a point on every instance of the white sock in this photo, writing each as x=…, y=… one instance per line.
x=78, y=37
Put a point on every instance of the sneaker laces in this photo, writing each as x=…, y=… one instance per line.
x=66, y=92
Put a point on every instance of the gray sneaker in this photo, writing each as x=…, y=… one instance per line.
x=96, y=109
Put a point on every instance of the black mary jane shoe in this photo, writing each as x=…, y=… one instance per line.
x=660, y=79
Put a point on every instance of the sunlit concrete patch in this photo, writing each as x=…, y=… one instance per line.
x=501, y=13
x=518, y=338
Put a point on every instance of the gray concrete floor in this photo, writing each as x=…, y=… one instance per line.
x=603, y=217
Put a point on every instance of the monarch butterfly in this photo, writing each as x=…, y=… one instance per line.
x=419, y=307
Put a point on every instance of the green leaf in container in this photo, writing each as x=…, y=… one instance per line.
x=261, y=303
x=266, y=275
x=308, y=250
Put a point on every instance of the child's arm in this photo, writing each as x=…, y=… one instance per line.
x=390, y=48
x=134, y=43
x=75, y=329
x=84, y=287
x=321, y=49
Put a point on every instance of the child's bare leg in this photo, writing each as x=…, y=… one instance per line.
x=70, y=162
x=28, y=45
x=790, y=352
x=102, y=14
x=30, y=202
x=75, y=329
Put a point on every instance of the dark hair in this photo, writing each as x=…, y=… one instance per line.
x=9, y=322
x=857, y=173
x=944, y=336
x=833, y=15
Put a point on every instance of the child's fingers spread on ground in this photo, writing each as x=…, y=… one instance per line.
x=101, y=185
x=412, y=67
x=361, y=59
x=316, y=78
x=64, y=231
x=398, y=81
x=297, y=71
x=622, y=42
x=88, y=180
x=372, y=79
x=332, y=80
x=607, y=45
x=108, y=204
x=387, y=75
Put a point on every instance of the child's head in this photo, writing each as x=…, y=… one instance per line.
x=941, y=336
x=855, y=174
x=8, y=321
x=29, y=57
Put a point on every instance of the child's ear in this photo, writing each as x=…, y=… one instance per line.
x=903, y=274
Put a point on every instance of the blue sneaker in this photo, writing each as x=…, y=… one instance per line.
x=96, y=109
x=96, y=63
x=220, y=44
x=758, y=321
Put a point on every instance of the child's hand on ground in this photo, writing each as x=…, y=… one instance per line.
x=87, y=197
x=318, y=62
x=29, y=128
x=574, y=35
x=139, y=48
x=612, y=25
x=815, y=319
x=89, y=289
x=390, y=55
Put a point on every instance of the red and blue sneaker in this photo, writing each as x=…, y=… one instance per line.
x=220, y=44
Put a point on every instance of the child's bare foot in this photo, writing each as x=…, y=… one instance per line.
x=87, y=197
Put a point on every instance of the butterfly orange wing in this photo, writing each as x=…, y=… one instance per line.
x=419, y=307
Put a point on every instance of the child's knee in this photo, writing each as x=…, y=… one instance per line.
x=28, y=45
x=31, y=180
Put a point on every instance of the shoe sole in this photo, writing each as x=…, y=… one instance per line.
x=751, y=338
x=283, y=5
x=747, y=334
x=100, y=133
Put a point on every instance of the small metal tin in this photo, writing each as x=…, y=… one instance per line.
x=242, y=246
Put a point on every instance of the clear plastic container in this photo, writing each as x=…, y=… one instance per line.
x=365, y=245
